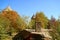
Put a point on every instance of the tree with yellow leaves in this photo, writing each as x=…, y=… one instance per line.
x=40, y=17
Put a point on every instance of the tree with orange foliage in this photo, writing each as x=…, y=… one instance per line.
x=16, y=20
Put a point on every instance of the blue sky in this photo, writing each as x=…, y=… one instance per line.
x=30, y=7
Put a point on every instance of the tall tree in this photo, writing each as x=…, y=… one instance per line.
x=40, y=17
x=16, y=20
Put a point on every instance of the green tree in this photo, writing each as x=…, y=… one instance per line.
x=25, y=20
x=21, y=24
x=58, y=28
x=4, y=27
x=32, y=24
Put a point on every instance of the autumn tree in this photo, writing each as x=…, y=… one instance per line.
x=40, y=17
x=54, y=24
x=16, y=20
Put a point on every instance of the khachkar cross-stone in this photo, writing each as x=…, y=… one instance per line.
x=38, y=26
